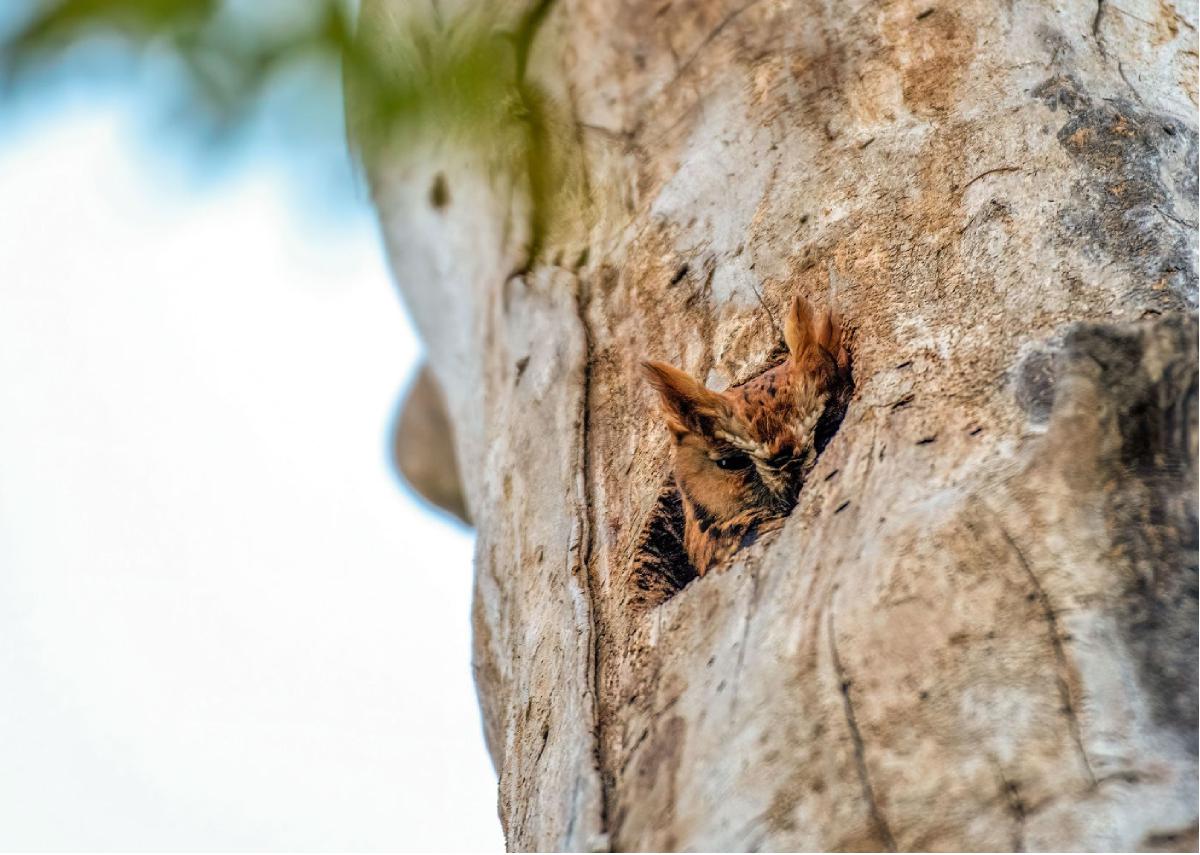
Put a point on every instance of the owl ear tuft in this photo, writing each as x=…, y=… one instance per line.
x=688, y=405
x=799, y=331
x=808, y=334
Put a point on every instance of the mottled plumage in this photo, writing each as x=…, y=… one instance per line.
x=742, y=455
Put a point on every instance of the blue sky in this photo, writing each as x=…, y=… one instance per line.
x=223, y=624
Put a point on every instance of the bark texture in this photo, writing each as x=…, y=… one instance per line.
x=977, y=630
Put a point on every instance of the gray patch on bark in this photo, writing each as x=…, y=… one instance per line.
x=1135, y=205
x=1148, y=375
x=1034, y=383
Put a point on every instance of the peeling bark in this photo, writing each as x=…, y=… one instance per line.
x=977, y=630
x=423, y=445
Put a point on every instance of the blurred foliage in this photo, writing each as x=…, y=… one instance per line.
x=227, y=56
x=466, y=78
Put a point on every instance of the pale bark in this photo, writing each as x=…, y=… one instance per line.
x=978, y=628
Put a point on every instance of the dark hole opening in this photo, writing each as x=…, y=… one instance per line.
x=661, y=567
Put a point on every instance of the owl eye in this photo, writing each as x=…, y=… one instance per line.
x=732, y=461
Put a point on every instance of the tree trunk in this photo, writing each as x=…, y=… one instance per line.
x=977, y=630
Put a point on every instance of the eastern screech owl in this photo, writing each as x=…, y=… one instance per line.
x=742, y=455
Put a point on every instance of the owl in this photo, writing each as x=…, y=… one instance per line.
x=741, y=456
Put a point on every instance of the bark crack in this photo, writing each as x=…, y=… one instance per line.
x=1097, y=35
x=860, y=761
x=708, y=39
x=767, y=311
x=1060, y=654
x=537, y=146
x=526, y=32
x=1132, y=88
x=1173, y=218
x=591, y=583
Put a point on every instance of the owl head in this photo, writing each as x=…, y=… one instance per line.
x=741, y=455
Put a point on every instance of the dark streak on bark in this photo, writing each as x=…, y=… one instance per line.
x=860, y=762
x=991, y=172
x=1012, y=797
x=1060, y=655
x=545, y=741
x=629, y=755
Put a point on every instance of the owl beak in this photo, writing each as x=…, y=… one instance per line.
x=778, y=481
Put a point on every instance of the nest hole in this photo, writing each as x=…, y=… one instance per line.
x=661, y=567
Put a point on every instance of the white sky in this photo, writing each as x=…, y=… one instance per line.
x=223, y=625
